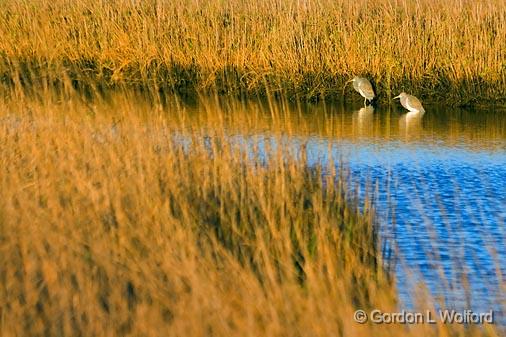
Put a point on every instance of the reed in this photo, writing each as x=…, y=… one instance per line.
x=447, y=51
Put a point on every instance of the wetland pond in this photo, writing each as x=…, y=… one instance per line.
x=437, y=181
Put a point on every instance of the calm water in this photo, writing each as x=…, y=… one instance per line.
x=438, y=181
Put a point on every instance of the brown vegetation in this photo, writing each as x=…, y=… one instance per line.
x=121, y=221
x=450, y=51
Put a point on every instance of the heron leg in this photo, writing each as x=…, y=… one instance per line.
x=365, y=101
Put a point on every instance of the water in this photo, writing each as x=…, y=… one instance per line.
x=438, y=181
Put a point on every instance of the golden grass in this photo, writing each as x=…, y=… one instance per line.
x=112, y=224
x=451, y=51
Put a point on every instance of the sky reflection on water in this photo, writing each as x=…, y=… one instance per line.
x=439, y=183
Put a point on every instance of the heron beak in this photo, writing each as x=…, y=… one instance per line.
x=397, y=97
x=345, y=84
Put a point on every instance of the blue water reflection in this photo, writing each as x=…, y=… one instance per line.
x=442, y=207
x=439, y=187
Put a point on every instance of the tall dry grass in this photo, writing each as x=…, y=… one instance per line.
x=114, y=227
x=450, y=51
x=122, y=221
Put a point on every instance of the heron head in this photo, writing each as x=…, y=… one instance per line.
x=402, y=94
x=349, y=81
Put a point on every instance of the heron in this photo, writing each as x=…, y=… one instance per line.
x=410, y=102
x=363, y=87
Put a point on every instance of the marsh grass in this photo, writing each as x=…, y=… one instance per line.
x=117, y=228
x=120, y=219
x=449, y=51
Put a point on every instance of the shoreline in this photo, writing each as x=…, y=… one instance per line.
x=186, y=83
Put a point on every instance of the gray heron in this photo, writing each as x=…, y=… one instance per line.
x=410, y=102
x=363, y=87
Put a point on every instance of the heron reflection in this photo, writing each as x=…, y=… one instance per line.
x=410, y=125
x=363, y=121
